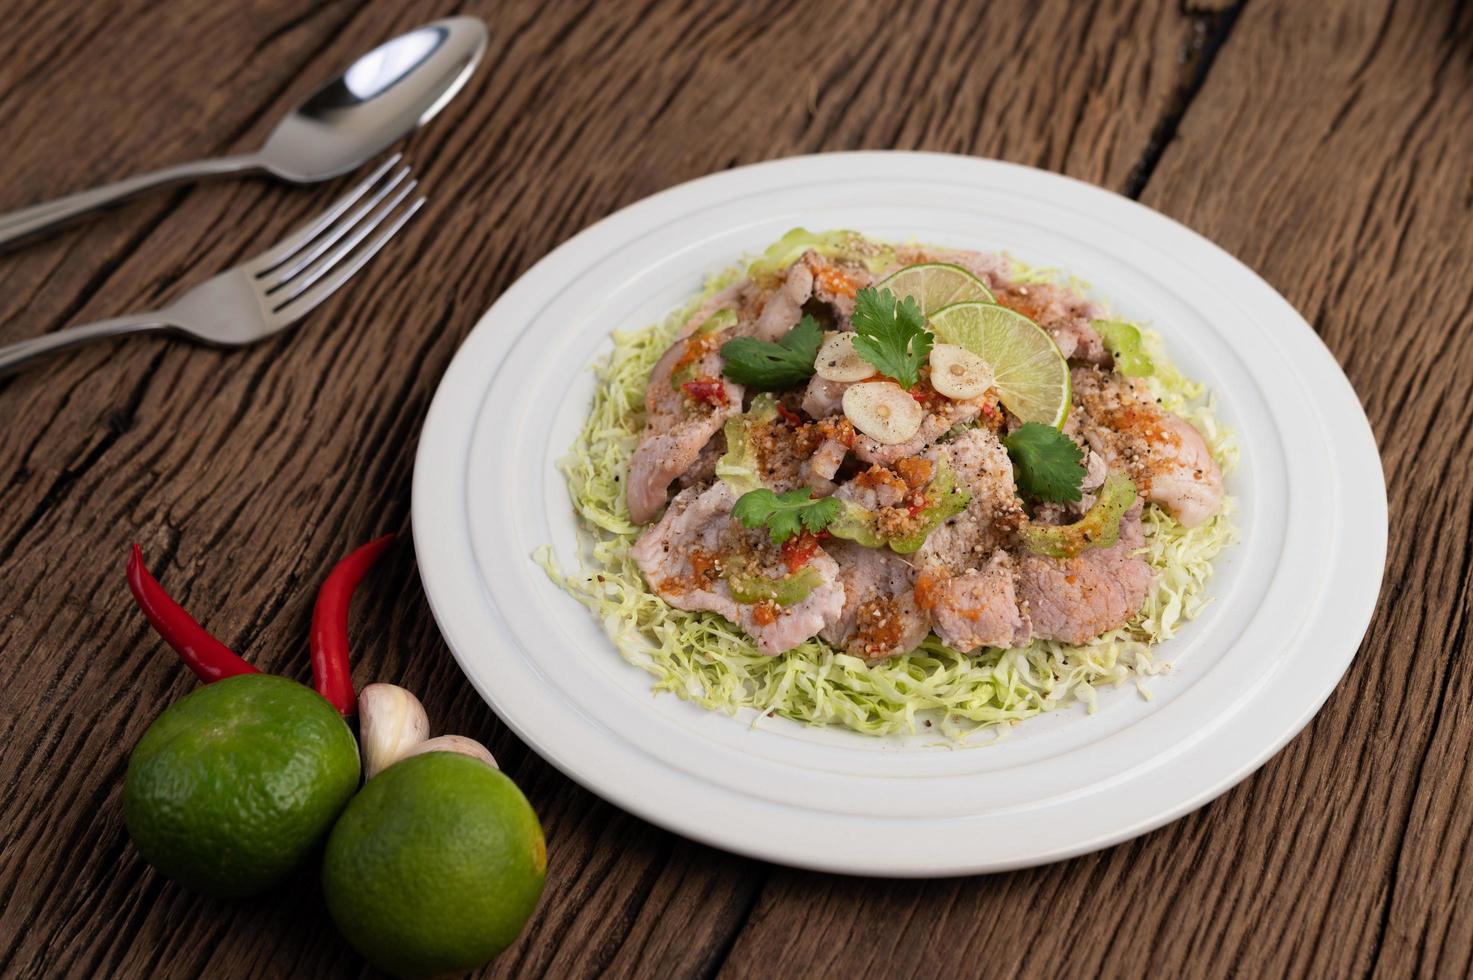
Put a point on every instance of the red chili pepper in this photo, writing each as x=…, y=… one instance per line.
x=797, y=551
x=789, y=416
x=708, y=390
x=210, y=659
x=332, y=675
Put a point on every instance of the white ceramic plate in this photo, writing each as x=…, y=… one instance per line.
x=1291, y=600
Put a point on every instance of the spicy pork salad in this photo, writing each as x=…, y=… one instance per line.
x=894, y=486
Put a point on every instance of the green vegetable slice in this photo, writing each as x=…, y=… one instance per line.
x=749, y=586
x=737, y=467
x=944, y=500
x=1098, y=528
x=1126, y=346
x=857, y=524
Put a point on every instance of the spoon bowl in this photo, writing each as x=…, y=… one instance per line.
x=382, y=97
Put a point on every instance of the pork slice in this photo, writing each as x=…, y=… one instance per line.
x=978, y=608
x=703, y=470
x=818, y=470
x=781, y=308
x=874, y=489
x=682, y=557
x=880, y=617
x=1166, y=457
x=836, y=284
x=677, y=427
x=979, y=463
x=1064, y=314
x=1074, y=600
x=823, y=398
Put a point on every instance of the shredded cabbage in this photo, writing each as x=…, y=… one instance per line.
x=703, y=658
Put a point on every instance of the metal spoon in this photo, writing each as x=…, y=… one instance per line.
x=384, y=95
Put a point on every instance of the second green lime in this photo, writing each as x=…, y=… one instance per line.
x=435, y=866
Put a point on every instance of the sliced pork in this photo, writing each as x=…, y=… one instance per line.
x=678, y=425
x=880, y=617
x=978, y=608
x=686, y=558
x=1166, y=457
x=1074, y=600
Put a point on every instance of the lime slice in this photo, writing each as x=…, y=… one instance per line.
x=937, y=284
x=1030, y=374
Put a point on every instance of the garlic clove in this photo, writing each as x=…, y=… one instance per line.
x=838, y=360
x=884, y=411
x=455, y=743
x=958, y=373
x=391, y=722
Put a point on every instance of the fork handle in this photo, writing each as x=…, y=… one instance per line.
x=18, y=225
x=18, y=355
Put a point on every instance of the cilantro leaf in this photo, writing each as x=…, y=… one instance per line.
x=769, y=366
x=785, y=514
x=1046, y=463
x=891, y=335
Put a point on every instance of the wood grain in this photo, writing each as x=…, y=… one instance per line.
x=1326, y=144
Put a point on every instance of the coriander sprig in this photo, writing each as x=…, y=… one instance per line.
x=891, y=334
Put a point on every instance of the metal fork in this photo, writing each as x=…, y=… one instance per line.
x=272, y=291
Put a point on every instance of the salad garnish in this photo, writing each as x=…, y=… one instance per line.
x=785, y=514
x=891, y=334
x=769, y=366
x=1046, y=463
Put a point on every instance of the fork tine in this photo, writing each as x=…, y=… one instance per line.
x=301, y=303
x=303, y=235
x=283, y=291
x=290, y=267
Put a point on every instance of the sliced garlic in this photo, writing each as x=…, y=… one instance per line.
x=455, y=743
x=884, y=411
x=958, y=373
x=391, y=722
x=838, y=360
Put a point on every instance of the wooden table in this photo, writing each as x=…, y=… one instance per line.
x=1328, y=144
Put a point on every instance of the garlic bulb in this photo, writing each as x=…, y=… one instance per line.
x=838, y=361
x=455, y=743
x=391, y=722
x=884, y=411
x=958, y=373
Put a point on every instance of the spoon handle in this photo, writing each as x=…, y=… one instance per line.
x=30, y=221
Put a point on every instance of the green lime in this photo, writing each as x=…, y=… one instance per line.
x=1030, y=374
x=937, y=284
x=233, y=785
x=435, y=866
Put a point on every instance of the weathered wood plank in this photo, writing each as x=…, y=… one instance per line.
x=1329, y=149
x=246, y=474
